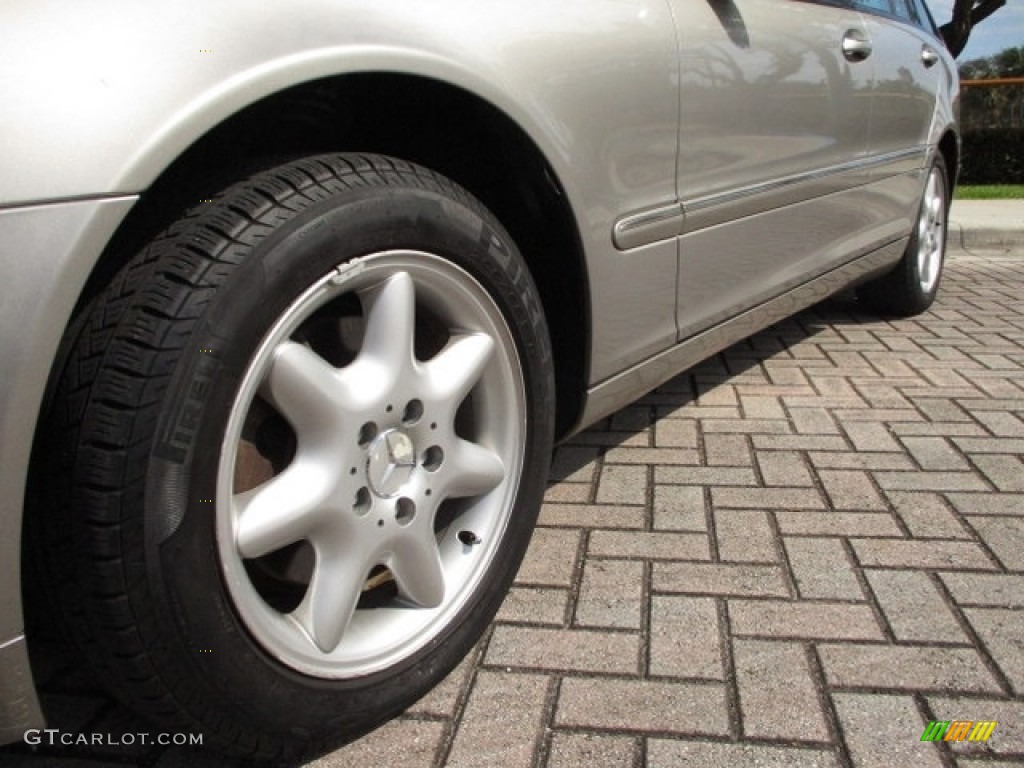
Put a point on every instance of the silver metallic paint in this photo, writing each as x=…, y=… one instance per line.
x=46, y=253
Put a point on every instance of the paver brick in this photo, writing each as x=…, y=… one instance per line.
x=572, y=750
x=821, y=569
x=870, y=437
x=928, y=481
x=1005, y=537
x=632, y=418
x=887, y=417
x=851, y=490
x=720, y=579
x=914, y=607
x=763, y=498
x=800, y=443
x=592, y=516
x=569, y=493
x=903, y=667
x=756, y=407
x=783, y=468
x=685, y=638
x=985, y=590
x=745, y=535
x=534, y=605
x=999, y=423
x=651, y=546
x=1005, y=472
x=813, y=421
x=622, y=485
x=827, y=523
x=611, y=594
x=1002, y=632
x=663, y=753
x=866, y=461
x=401, y=743
x=502, y=721
x=679, y=508
x=934, y=453
x=977, y=445
x=675, y=433
x=884, y=731
x=727, y=451
x=657, y=456
x=643, y=706
x=704, y=476
x=574, y=464
x=778, y=696
x=792, y=619
x=746, y=426
x=581, y=650
x=551, y=560
x=924, y=554
x=927, y=515
x=988, y=503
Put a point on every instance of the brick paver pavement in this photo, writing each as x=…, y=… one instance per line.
x=796, y=554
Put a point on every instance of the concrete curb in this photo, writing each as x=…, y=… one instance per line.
x=967, y=236
x=987, y=223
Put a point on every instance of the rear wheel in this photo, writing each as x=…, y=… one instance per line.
x=306, y=433
x=911, y=287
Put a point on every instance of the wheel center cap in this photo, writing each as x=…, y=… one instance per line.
x=390, y=462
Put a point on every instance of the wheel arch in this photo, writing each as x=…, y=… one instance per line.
x=949, y=147
x=442, y=126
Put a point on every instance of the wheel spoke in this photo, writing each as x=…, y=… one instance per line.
x=472, y=470
x=456, y=368
x=280, y=512
x=333, y=594
x=417, y=568
x=302, y=386
x=390, y=326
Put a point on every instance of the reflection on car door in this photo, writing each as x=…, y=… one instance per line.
x=907, y=68
x=774, y=115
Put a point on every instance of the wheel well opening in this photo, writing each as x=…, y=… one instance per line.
x=430, y=123
x=950, y=150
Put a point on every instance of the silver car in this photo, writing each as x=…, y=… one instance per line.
x=298, y=296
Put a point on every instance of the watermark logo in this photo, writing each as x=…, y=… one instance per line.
x=958, y=730
x=54, y=737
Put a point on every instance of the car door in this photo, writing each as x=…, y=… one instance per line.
x=908, y=68
x=775, y=102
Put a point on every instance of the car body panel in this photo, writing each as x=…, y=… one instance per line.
x=38, y=296
x=773, y=131
x=604, y=118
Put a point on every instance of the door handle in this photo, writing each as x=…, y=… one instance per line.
x=856, y=45
x=929, y=56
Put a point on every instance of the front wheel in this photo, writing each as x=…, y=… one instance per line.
x=911, y=287
x=307, y=432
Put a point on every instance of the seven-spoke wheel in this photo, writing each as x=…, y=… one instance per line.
x=394, y=457
x=306, y=434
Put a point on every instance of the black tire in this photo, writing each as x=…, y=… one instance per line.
x=911, y=287
x=146, y=537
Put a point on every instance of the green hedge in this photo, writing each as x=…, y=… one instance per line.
x=993, y=156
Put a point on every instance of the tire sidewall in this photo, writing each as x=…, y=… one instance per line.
x=923, y=299
x=193, y=604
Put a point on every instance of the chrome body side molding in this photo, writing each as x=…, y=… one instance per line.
x=671, y=220
x=648, y=227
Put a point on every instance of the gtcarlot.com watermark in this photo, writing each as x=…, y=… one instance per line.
x=54, y=737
